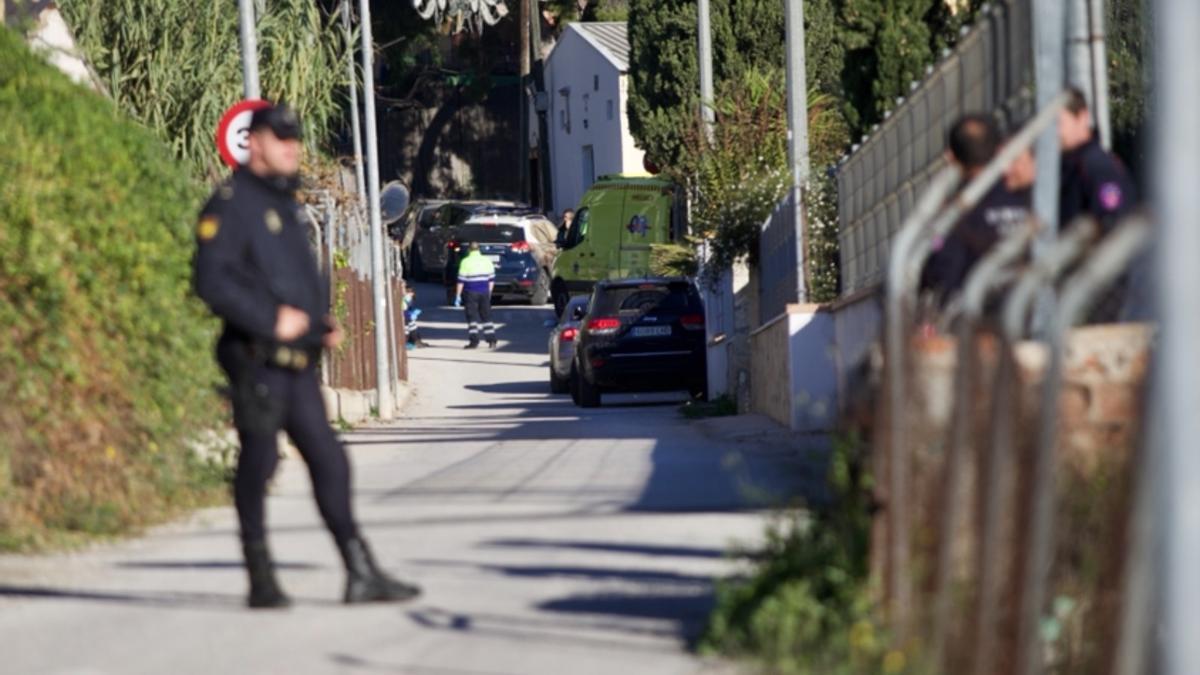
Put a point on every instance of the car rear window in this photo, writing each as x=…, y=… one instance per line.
x=489, y=234
x=649, y=297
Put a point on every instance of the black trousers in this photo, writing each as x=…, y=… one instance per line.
x=479, y=316
x=266, y=400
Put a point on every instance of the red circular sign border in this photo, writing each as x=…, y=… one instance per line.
x=227, y=119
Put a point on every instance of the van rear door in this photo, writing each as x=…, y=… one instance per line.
x=646, y=220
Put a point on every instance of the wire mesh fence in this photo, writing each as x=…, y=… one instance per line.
x=990, y=70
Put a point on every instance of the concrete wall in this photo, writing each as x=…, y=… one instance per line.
x=769, y=371
x=794, y=369
x=584, y=86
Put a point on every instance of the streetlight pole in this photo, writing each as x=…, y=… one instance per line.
x=355, y=125
x=379, y=281
x=706, y=67
x=249, y=39
x=797, y=85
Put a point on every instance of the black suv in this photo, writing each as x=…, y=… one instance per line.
x=641, y=335
x=517, y=271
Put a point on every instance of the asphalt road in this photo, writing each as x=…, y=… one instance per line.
x=547, y=539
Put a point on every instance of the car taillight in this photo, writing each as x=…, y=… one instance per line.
x=568, y=335
x=453, y=246
x=692, y=321
x=520, y=247
x=604, y=326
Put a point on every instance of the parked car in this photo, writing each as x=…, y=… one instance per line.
x=562, y=344
x=416, y=219
x=641, y=335
x=517, y=271
x=617, y=221
x=435, y=231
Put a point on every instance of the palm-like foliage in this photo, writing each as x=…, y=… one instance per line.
x=175, y=65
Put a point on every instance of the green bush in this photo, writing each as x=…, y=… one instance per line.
x=805, y=606
x=105, y=361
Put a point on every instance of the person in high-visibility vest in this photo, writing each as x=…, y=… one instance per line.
x=476, y=281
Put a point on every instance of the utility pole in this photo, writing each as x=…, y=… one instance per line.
x=797, y=85
x=355, y=126
x=249, y=38
x=707, y=97
x=379, y=282
x=523, y=22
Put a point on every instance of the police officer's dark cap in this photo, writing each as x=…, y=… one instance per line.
x=280, y=119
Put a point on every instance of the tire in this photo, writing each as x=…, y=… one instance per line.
x=558, y=290
x=557, y=384
x=541, y=290
x=589, y=393
x=573, y=384
x=416, y=264
x=450, y=295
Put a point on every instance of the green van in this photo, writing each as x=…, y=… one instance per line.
x=616, y=222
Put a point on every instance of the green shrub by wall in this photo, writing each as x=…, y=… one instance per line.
x=106, y=368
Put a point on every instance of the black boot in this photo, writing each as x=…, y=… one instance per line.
x=365, y=582
x=473, y=344
x=265, y=592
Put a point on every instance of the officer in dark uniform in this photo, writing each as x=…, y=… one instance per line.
x=1096, y=183
x=254, y=268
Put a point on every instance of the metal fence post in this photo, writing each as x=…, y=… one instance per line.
x=993, y=271
x=895, y=337
x=1102, y=268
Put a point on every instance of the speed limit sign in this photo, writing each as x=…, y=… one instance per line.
x=234, y=130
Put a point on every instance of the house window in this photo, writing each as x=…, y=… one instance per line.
x=589, y=167
x=611, y=110
x=564, y=115
x=595, y=83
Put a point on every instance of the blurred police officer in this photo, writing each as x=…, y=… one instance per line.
x=1094, y=181
x=255, y=270
x=476, y=281
x=974, y=141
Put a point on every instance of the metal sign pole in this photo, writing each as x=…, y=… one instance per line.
x=383, y=376
x=250, y=85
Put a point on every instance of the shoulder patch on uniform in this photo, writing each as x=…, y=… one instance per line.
x=208, y=227
x=1110, y=196
x=273, y=221
x=225, y=192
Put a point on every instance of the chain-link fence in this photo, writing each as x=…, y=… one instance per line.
x=990, y=70
x=344, y=255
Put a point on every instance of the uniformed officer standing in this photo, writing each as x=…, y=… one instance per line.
x=1096, y=183
x=254, y=268
x=476, y=281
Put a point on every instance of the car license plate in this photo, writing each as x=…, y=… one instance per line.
x=494, y=258
x=651, y=331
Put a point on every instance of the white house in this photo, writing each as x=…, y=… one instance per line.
x=587, y=82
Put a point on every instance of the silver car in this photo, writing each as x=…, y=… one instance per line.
x=562, y=343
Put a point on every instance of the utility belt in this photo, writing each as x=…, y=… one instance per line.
x=282, y=356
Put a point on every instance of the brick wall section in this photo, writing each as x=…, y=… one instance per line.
x=1099, y=430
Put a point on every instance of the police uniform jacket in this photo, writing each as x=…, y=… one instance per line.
x=253, y=255
x=1094, y=182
